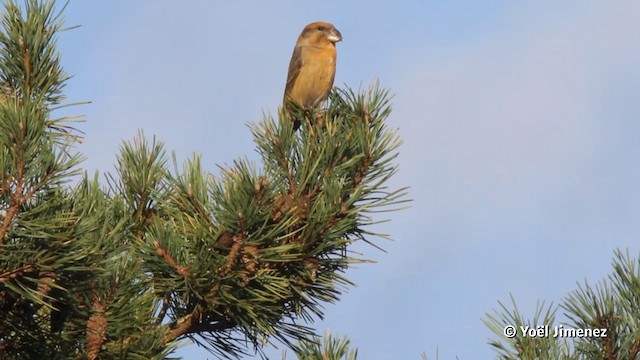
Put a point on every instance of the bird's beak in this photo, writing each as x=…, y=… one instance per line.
x=335, y=36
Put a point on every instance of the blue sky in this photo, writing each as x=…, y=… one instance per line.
x=520, y=122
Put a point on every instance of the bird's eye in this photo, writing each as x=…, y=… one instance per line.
x=321, y=28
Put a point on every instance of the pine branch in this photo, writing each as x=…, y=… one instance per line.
x=163, y=253
x=188, y=322
x=16, y=273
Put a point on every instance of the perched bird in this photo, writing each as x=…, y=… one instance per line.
x=312, y=67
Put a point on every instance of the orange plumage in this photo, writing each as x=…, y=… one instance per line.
x=313, y=67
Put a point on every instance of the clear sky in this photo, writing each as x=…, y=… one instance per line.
x=520, y=121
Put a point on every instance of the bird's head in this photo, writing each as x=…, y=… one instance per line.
x=320, y=32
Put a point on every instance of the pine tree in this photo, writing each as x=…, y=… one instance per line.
x=327, y=348
x=159, y=253
x=608, y=314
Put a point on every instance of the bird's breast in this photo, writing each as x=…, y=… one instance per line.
x=316, y=76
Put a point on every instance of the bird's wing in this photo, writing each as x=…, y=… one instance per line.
x=294, y=69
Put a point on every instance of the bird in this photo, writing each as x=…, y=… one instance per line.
x=312, y=68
